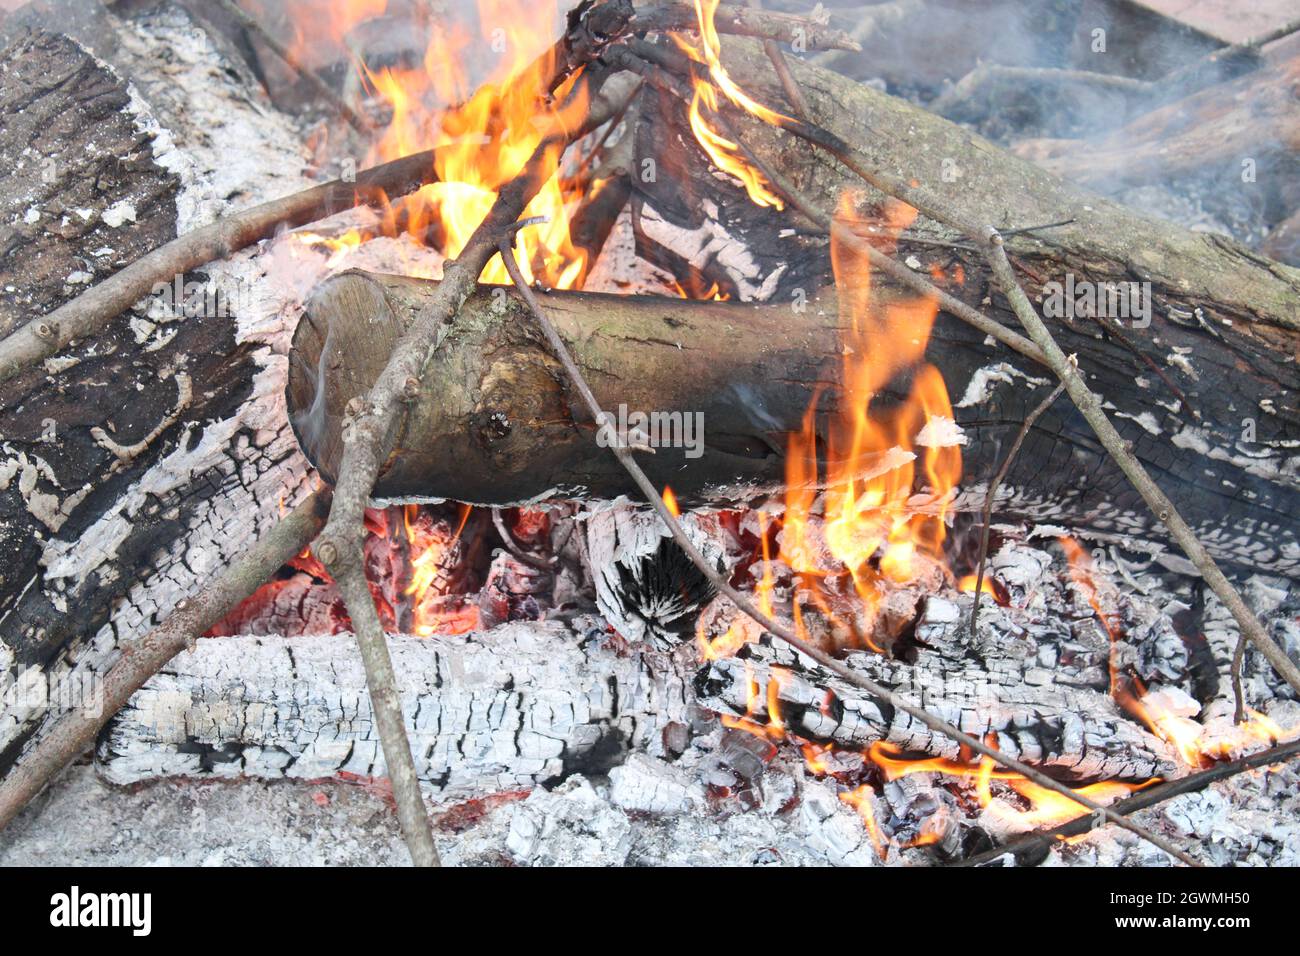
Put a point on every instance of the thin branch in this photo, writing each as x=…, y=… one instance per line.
x=511, y=545
x=374, y=424
x=871, y=21
x=987, y=514
x=743, y=603
x=143, y=658
x=252, y=25
x=1142, y=800
x=988, y=75
x=1194, y=75
x=783, y=74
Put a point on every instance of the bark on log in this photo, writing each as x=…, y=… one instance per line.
x=494, y=423
x=1208, y=393
x=510, y=709
x=139, y=459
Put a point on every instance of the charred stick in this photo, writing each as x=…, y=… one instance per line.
x=987, y=514
x=376, y=424
x=1142, y=800
x=624, y=455
x=143, y=658
x=252, y=25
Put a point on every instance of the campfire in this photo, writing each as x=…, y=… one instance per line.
x=603, y=432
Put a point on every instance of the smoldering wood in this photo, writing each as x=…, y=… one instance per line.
x=1042, y=694
x=505, y=710
x=1207, y=391
x=645, y=586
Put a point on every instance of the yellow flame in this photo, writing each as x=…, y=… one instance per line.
x=483, y=140
x=724, y=153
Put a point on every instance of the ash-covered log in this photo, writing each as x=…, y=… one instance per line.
x=501, y=710
x=145, y=455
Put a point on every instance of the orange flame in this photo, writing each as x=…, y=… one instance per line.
x=430, y=613
x=872, y=527
x=1046, y=808
x=863, y=800
x=482, y=140
x=670, y=502
x=724, y=152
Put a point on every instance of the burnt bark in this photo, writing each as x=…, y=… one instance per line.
x=132, y=447
x=1207, y=391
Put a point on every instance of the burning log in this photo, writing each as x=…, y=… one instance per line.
x=1200, y=371
x=529, y=703
x=1207, y=133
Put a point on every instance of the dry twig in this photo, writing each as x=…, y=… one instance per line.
x=739, y=20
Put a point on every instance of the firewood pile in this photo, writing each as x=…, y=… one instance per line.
x=657, y=432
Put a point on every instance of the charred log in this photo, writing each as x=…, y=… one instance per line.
x=141, y=457
x=1202, y=380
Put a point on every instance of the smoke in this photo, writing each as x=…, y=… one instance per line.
x=310, y=423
